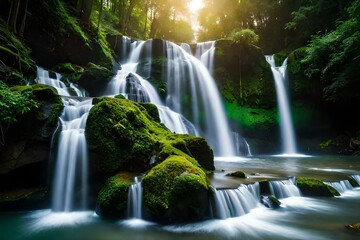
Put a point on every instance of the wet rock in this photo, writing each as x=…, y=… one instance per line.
x=270, y=201
x=237, y=174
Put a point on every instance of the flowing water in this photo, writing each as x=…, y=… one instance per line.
x=193, y=104
x=286, y=128
x=244, y=217
x=70, y=190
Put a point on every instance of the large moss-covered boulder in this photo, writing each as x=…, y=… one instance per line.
x=112, y=200
x=315, y=188
x=175, y=190
x=122, y=135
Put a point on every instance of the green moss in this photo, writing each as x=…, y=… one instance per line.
x=315, y=187
x=248, y=117
x=237, y=174
x=270, y=201
x=127, y=137
x=353, y=182
x=112, y=199
x=152, y=110
x=169, y=183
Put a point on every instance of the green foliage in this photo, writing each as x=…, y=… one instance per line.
x=334, y=58
x=13, y=52
x=14, y=104
x=63, y=20
x=245, y=36
x=172, y=179
x=315, y=187
x=251, y=117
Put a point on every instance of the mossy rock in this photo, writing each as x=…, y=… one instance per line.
x=152, y=110
x=237, y=174
x=315, y=188
x=95, y=78
x=353, y=182
x=44, y=119
x=125, y=137
x=354, y=226
x=270, y=201
x=112, y=201
x=175, y=191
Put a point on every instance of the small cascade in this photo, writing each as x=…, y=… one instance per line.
x=236, y=202
x=241, y=145
x=135, y=200
x=176, y=122
x=286, y=128
x=205, y=53
x=284, y=188
x=43, y=77
x=72, y=158
x=186, y=48
x=189, y=83
x=341, y=186
x=70, y=183
x=126, y=42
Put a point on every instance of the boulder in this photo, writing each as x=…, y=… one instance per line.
x=175, y=191
x=313, y=187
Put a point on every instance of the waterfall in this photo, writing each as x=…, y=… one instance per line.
x=286, y=128
x=236, y=202
x=189, y=83
x=284, y=188
x=43, y=77
x=241, y=145
x=71, y=170
x=205, y=53
x=135, y=200
x=341, y=186
x=191, y=93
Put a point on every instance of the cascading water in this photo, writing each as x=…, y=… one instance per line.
x=236, y=202
x=205, y=53
x=341, y=186
x=71, y=170
x=286, y=128
x=284, y=188
x=189, y=83
x=357, y=178
x=135, y=200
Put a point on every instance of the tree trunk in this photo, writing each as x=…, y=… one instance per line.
x=84, y=8
x=128, y=15
x=100, y=14
x=22, y=27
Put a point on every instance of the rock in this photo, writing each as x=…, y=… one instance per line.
x=112, y=200
x=95, y=78
x=237, y=174
x=354, y=226
x=353, y=182
x=123, y=136
x=175, y=191
x=270, y=201
x=24, y=199
x=315, y=188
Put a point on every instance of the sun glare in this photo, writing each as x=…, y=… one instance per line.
x=196, y=5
